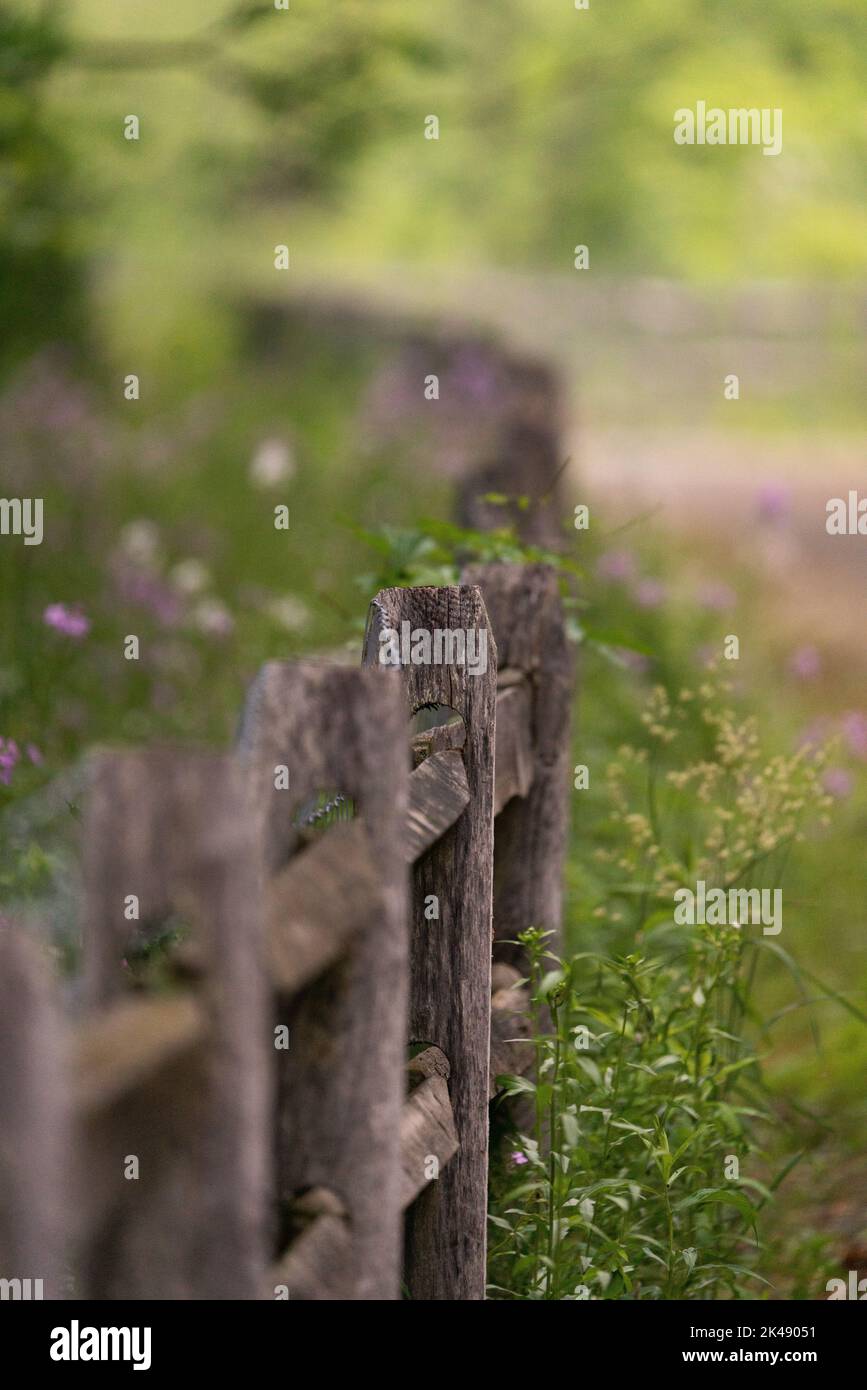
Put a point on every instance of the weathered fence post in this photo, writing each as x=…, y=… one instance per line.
x=342, y=1079
x=528, y=463
x=167, y=840
x=535, y=663
x=33, y=1122
x=450, y=990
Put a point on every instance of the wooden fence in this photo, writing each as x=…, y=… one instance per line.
x=252, y=1129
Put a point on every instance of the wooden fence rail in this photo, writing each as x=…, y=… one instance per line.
x=253, y=1128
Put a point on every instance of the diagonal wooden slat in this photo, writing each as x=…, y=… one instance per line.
x=439, y=739
x=315, y=1265
x=317, y=904
x=313, y=908
x=438, y=794
x=117, y=1049
x=427, y=1127
x=513, y=761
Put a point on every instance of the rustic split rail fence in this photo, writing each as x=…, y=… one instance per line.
x=253, y=1128
x=168, y=1144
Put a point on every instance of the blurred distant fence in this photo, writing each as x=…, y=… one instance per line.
x=251, y=1127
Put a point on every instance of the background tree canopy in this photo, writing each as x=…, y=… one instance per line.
x=555, y=128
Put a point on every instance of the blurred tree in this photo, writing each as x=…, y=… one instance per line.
x=40, y=279
x=319, y=93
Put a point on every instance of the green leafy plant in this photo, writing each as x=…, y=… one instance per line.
x=646, y=1167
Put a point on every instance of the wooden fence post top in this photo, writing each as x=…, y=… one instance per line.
x=524, y=606
x=284, y=706
x=527, y=462
x=327, y=725
x=395, y=615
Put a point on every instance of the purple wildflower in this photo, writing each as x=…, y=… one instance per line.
x=718, y=597
x=150, y=592
x=616, y=565
x=650, y=593
x=805, y=663
x=9, y=755
x=838, y=782
x=518, y=1157
x=773, y=501
x=70, y=621
x=854, y=725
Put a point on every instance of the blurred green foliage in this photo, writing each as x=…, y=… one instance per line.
x=237, y=110
x=565, y=135
x=307, y=126
x=39, y=274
